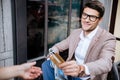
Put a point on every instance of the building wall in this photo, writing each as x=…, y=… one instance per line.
x=105, y=23
x=6, y=42
x=117, y=32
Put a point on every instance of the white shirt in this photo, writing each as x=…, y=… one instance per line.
x=82, y=48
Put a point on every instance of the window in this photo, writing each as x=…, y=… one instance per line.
x=48, y=22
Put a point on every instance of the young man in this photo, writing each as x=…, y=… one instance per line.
x=25, y=71
x=91, y=46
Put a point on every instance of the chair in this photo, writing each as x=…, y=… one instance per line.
x=114, y=74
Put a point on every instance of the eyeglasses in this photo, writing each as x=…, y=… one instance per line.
x=91, y=17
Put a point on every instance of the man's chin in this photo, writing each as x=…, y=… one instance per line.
x=85, y=29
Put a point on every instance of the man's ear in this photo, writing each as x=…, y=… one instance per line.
x=101, y=19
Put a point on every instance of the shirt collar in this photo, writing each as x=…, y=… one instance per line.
x=90, y=35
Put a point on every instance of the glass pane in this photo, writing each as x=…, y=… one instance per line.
x=35, y=28
x=75, y=16
x=57, y=20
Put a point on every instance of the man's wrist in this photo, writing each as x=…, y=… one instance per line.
x=81, y=71
x=87, y=72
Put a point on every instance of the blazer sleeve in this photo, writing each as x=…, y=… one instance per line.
x=66, y=43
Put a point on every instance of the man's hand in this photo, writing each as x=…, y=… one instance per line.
x=29, y=71
x=72, y=68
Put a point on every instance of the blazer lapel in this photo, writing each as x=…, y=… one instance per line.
x=93, y=42
x=74, y=45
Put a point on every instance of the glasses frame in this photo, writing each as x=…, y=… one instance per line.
x=92, y=18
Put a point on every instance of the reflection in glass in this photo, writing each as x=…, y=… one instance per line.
x=58, y=19
x=57, y=28
x=75, y=15
x=35, y=28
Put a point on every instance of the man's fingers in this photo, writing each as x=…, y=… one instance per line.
x=67, y=63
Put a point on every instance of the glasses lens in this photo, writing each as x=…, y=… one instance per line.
x=91, y=17
x=84, y=16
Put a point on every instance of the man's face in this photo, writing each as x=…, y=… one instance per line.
x=90, y=19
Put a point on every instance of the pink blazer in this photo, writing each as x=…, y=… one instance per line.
x=99, y=54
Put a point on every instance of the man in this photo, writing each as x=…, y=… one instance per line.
x=25, y=71
x=91, y=47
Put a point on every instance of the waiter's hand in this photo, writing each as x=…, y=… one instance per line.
x=71, y=68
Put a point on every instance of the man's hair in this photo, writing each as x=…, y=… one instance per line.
x=96, y=5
